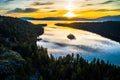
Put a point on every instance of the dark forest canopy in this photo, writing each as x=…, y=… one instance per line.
x=37, y=61
x=15, y=29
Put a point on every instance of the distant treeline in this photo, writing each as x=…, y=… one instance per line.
x=110, y=29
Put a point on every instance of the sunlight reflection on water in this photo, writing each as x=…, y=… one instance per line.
x=87, y=44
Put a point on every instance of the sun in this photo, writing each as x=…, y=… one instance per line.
x=70, y=14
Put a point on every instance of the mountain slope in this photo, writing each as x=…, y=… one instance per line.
x=105, y=18
x=109, y=18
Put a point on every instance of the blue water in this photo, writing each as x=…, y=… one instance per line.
x=87, y=44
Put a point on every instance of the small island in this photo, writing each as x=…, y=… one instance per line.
x=71, y=37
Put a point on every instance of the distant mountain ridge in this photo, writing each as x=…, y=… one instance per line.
x=106, y=18
x=109, y=18
x=56, y=18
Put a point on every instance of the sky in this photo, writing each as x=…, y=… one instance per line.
x=60, y=8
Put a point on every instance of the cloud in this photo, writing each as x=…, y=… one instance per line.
x=41, y=3
x=10, y=0
x=108, y=10
x=100, y=10
x=47, y=8
x=4, y=8
x=87, y=5
x=107, y=2
x=15, y=0
x=53, y=11
x=20, y=10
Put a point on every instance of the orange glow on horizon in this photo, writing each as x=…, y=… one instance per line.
x=64, y=13
x=70, y=14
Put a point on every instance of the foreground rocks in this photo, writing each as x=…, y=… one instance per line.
x=10, y=61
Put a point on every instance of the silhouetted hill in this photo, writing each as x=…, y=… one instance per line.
x=109, y=18
x=101, y=19
x=17, y=30
x=109, y=29
x=58, y=18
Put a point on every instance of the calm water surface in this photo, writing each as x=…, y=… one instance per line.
x=87, y=44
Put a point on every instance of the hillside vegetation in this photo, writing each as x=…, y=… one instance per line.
x=17, y=30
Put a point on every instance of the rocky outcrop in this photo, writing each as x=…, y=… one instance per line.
x=10, y=63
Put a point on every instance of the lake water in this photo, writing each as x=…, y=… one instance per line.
x=88, y=45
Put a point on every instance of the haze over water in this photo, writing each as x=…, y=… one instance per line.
x=88, y=45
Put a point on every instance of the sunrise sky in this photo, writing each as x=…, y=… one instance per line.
x=60, y=8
